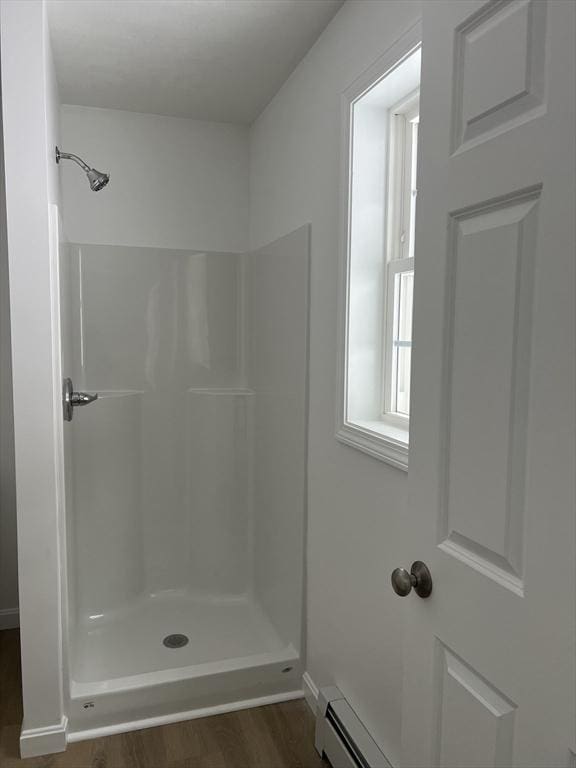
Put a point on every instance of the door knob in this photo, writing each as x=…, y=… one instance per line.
x=418, y=579
x=71, y=399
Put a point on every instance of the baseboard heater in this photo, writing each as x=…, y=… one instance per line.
x=341, y=737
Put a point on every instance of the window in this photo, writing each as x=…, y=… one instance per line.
x=380, y=148
x=402, y=155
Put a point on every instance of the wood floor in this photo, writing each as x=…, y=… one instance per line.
x=277, y=736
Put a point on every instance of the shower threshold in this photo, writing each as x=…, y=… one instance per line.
x=122, y=668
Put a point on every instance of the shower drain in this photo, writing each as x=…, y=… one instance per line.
x=175, y=641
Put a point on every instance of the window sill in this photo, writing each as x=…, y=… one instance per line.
x=378, y=439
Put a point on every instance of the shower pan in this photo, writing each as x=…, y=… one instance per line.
x=185, y=480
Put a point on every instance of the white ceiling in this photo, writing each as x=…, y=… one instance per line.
x=206, y=59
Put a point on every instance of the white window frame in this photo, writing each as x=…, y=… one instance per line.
x=390, y=414
x=399, y=247
x=386, y=440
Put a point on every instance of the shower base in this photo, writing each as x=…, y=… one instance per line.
x=131, y=641
x=125, y=677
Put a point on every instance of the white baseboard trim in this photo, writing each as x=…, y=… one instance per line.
x=35, y=742
x=9, y=618
x=310, y=692
x=178, y=717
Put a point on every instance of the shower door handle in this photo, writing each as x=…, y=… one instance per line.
x=71, y=399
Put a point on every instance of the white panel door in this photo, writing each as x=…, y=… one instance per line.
x=490, y=656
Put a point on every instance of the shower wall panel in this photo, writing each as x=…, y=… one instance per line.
x=107, y=497
x=160, y=463
x=159, y=320
x=278, y=363
x=219, y=447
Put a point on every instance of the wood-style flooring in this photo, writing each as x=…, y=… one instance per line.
x=276, y=736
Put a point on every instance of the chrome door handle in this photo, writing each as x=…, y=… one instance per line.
x=71, y=399
x=418, y=579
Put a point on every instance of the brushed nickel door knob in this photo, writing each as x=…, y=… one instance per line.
x=417, y=579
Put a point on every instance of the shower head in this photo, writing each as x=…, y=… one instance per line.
x=97, y=179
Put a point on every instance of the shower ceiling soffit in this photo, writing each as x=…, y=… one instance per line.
x=219, y=60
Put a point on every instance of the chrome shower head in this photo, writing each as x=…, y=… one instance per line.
x=97, y=179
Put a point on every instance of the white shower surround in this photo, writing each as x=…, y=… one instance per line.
x=185, y=479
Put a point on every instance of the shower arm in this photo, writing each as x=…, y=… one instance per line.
x=70, y=156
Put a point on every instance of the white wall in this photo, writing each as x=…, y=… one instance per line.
x=356, y=503
x=8, y=554
x=174, y=183
x=30, y=109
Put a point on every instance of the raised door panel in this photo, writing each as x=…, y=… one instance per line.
x=499, y=69
x=475, y=721
x=488, y=341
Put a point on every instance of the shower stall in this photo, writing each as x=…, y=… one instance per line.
x=185, y=479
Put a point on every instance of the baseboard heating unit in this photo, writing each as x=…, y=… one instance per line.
x=341, y=737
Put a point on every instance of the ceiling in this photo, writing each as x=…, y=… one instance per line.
x=205, y=59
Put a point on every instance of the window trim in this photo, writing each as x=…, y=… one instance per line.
x=379, y=439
